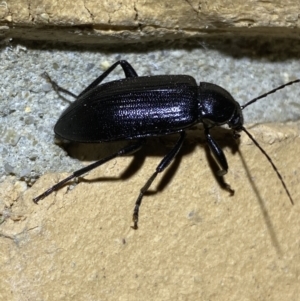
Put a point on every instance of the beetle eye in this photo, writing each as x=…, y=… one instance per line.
x=237, y=120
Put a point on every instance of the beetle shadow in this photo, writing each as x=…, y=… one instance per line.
x=154, y=147
x=157, y=147
x=90, y=152
x=267, y=218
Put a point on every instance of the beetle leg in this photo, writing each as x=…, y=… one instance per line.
x=161, y=167
x=129, y=149
x=218, y=154
x=127, y=68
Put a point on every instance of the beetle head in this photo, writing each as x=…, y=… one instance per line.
x=217, y=107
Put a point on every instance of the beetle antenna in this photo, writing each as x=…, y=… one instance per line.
x=270, y=160
x=268, y=93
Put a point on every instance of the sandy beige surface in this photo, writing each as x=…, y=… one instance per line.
x=195, y=241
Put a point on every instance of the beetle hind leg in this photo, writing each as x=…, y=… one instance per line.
x=127, y=68
x=129, y=149
x=165, y=162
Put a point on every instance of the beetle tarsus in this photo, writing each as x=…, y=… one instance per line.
x=135, y=218
x=55, y=86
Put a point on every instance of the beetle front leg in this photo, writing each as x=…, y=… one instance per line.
x=217, y=153
x=165, y=162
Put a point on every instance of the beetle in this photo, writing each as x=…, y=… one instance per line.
x=135, y=108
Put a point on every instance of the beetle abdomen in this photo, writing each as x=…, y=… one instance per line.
x=131, y=108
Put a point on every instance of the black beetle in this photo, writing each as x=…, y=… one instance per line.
x=136, y=107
